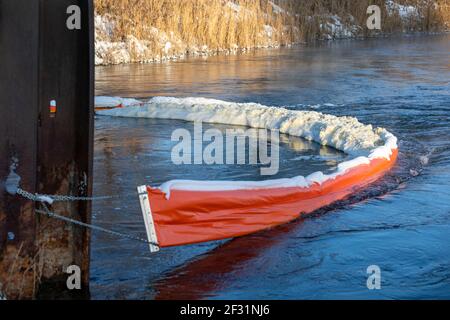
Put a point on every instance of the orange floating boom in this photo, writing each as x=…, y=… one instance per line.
x=188, y=217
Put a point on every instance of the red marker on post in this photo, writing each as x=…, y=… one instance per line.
x=52, y=108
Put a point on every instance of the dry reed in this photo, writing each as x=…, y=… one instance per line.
x=180, y=27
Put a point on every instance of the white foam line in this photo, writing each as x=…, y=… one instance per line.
x=347, y=134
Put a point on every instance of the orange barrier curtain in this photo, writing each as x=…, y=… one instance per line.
x=189, y=217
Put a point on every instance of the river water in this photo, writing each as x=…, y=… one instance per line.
x=400, y=224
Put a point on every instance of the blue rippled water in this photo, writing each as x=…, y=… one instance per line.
x=401, y=223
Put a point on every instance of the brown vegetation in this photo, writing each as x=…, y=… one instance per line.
x=180, y=27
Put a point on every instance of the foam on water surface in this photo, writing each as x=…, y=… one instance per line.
x=362, y=141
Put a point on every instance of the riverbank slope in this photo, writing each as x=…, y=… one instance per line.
x=129, y=31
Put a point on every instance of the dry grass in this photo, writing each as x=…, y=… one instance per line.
x=205, y=26
x=200, y=23
x=432, y=15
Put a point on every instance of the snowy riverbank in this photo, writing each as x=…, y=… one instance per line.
x=229, y=27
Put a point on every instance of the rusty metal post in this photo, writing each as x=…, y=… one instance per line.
x=46, y=128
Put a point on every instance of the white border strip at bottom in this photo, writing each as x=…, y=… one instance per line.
x=148, y=218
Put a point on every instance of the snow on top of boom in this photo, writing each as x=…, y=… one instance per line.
x=363, y=142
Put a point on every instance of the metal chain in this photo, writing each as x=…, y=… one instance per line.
x=43, y=199
x=63, y=198
x=47, y=212
x=73, y=198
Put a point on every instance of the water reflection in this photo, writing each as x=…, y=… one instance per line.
x=200, y=278
x=401, y=224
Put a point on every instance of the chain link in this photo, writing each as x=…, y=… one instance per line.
x=47, y=212
x=44, y=199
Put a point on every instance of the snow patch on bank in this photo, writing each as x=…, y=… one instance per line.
x=347, y=134
x=277, y=9
x=160, y=46
x=335, y=28
x=404, y=11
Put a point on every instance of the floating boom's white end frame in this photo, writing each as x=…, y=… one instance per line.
x=148, y=218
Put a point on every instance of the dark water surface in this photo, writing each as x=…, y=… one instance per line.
x=401, y=224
